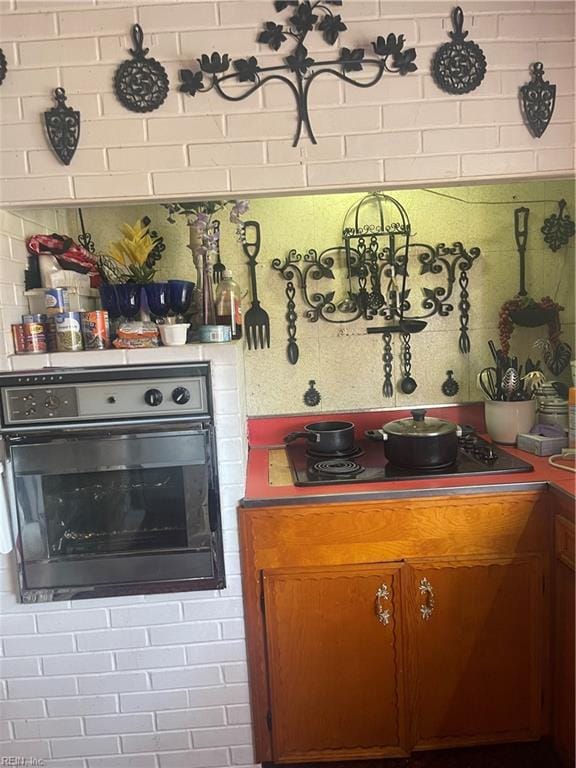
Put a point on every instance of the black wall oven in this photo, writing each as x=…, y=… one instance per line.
x=112, y=481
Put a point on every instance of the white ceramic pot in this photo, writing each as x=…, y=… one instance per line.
x=173, y=335
x=506, y=420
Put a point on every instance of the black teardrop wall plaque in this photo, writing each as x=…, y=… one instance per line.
x=63, y=127
x=3, y=66
x=141, y=84
x=458, y=66
x=538, y=98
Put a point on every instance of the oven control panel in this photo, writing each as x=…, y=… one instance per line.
x=25, y=404
x=90, y=401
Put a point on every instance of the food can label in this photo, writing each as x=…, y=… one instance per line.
x=56, y=300
x=68, y=333
x=19, y=338
x=95, y=330
x=34, y=337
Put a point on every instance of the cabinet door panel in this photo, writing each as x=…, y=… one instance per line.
x=335, y=669
x=476, y=659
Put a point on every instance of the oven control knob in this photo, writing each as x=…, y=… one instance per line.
x=181, y=395
x=153, y=396
x=51, y=402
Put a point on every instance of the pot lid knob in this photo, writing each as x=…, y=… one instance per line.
x=418, y=414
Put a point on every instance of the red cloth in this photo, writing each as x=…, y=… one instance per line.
x=67, y=253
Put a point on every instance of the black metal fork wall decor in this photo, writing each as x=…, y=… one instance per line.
x=299, y=69
x=374, y=266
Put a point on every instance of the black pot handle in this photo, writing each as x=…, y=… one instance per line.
x=312, y=436
x=418, y=414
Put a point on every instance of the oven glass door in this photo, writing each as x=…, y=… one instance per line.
x=98, y=509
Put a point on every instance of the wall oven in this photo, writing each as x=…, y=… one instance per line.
x=112, y=480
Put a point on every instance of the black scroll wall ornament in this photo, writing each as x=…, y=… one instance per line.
x=299, y=69
x=63, y=127
x=3, y=66
x=538, y=98
x=141, y=84
x=558, y=228
x=460, y=65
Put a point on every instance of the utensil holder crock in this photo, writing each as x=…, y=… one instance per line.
x=505, y=420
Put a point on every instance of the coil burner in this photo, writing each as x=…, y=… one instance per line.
x=337, y=467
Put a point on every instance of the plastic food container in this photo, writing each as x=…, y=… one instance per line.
x=174, y=335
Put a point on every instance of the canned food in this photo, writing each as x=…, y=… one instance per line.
x=95, y=329
x=34, y=318
x=19, y=338
x=56, y=300
x=51, y=341
x=34, y=337
x=212, y=333
x=68, y=332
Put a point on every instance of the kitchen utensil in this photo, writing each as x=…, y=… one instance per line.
x=407, y=384
x=218, y=268
x=458, y=66
x=420, y=442
x=292, y=351
x=521, y=237
x=256, y=319
x=510, y=383
x=327, y=437
x=487, y=381
x=140, y=84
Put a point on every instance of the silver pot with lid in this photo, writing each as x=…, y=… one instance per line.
x=421, y=442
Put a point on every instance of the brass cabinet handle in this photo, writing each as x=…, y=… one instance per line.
x=382, y=614
x=427, y=592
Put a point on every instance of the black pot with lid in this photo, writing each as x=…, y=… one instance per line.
x=421, y=442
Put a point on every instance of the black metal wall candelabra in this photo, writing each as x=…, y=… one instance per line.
x=299, y=69
x=374, y=261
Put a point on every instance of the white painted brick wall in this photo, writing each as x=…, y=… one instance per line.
x=78, y=44
x=155, y=680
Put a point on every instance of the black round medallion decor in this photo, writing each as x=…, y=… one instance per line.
x=3, y=66
x=141, y=84
x=458, y=66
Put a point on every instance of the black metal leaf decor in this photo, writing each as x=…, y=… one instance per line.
x=141, y=84
x=538, y=99
x=63, y=127
x=458, y=66
x=299, y=69
x=558, y=228
x=3, y=66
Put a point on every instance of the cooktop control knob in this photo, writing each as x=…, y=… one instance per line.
x=153, y=396
x=51, y=402
x=181, y=395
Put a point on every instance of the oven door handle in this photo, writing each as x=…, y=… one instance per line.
x=5, y=529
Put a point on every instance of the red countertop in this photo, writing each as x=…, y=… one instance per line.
x=268, y=433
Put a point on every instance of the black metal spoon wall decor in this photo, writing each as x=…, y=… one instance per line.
x=63, y=127
x=140, y=84
x=538, y=98
x=3, y=66
x=292, y=351
x=460, y=65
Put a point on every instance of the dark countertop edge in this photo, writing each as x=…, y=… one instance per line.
x=406, y=493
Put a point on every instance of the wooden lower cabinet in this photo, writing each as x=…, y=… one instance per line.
x=378, y=628
x=564, y=647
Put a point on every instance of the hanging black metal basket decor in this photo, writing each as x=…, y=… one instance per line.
x=140, y=84
x=538, y=98
x=3, y=66
x=299, y=69
x=458, y=66
x=63, y=127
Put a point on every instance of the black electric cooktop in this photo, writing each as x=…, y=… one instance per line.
x=366, y=463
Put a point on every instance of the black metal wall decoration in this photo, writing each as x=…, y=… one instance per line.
x=85, y=238
x=450, y=386
x=292, y=351
x=141, y=84
x=63, y=127
x=312, y=397
x=538, y=98
x=460, y=65
x=3, y=66
x=387, y=386
x=558, y=228
x=299, y=69
x=374, y=265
